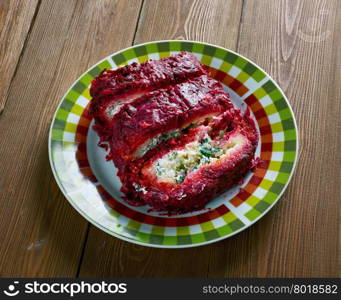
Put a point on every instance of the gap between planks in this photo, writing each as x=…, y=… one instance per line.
x=89, y=225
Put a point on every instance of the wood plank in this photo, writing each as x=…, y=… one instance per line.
x=208, y=21
x=212, y=21
x=337, y=82
x=15, y=20
x=297, y=43
x=41, y=234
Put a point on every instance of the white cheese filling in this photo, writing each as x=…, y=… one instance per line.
x=177, y=164
x=114, y=107
x=151, y=143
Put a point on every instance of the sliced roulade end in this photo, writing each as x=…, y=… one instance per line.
x=159, y=115
x=182, y=175
x=112, y=88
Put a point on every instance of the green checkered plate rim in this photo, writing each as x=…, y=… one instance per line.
x=246, y=82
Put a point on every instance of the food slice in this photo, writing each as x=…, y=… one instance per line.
x=172, y=132
x=179, y=163
x=183, y=176
x=113, y=88
x=162, y=114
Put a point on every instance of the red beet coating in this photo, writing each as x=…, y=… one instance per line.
x=198, y=187
x=125, y=82
x=157, y=97
x=165, y=110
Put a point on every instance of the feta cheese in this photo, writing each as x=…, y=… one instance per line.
x=177, y=164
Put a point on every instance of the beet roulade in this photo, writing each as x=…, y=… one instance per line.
x=172, y=132
x=150, y=119
x=184, y=174
x=112, y=88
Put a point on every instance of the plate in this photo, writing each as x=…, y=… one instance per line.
x=90, y=183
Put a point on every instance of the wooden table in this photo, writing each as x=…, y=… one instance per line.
x=47, y=44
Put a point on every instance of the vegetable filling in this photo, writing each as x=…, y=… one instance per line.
x=150, y=144
x=177, y=164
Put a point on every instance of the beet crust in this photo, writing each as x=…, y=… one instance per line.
x=145, y=112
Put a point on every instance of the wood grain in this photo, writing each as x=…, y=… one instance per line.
x=15, y=20
x=296, y=42
x=193, y=20
x=209, y=21
x=41, y=234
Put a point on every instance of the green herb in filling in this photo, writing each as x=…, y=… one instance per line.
x=221, y=134
x=205, y=151
x=180, y=177
x=172, y=134
x=176, y=165
x=207, y=148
